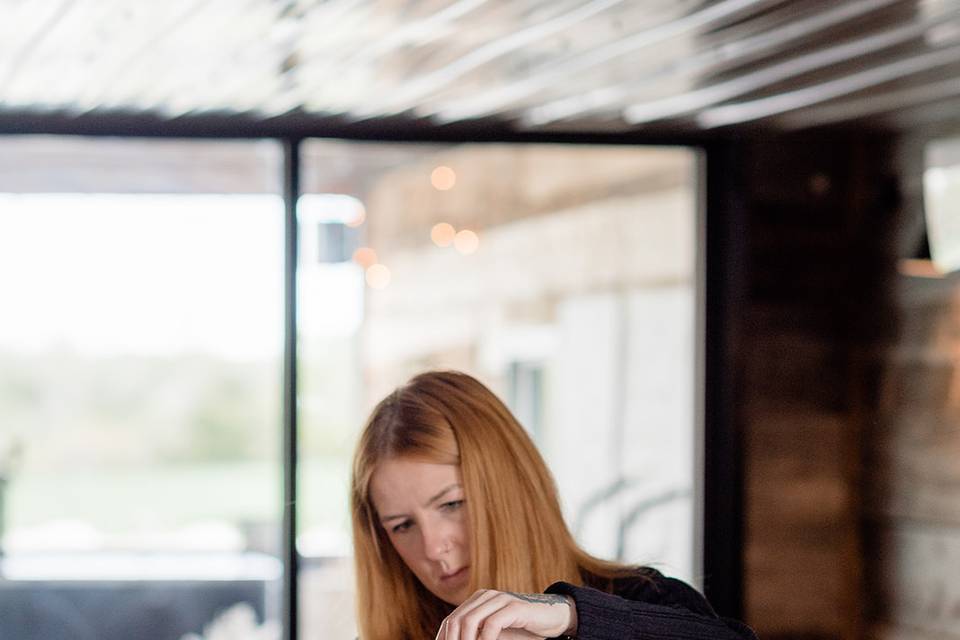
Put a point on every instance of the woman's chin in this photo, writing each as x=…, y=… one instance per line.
x=454, y=590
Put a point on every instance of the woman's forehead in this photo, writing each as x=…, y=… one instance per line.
x=410, y=482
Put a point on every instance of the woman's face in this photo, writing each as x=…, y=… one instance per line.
x=421, y=505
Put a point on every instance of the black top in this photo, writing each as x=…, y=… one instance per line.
x=650, y=606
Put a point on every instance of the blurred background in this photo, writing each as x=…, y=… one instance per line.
x=142, y=354
x=705, y=251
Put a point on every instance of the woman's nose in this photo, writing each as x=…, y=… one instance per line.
x=436, y=542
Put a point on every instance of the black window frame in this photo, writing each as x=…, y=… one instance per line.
x=718, y=493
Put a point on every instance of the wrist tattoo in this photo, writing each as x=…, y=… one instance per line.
x=539, y=598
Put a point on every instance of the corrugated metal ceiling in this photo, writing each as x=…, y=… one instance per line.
x=580, y=65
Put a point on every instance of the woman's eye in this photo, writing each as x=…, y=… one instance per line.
x=400, y=528
x=452, y=505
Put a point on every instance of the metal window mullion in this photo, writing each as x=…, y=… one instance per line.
x=723, y=290
x=291, y=192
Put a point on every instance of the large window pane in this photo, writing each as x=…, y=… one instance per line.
x=140, y=347
x=562, y=276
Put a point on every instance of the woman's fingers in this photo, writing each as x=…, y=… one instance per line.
x=498, y=621
x=495, y=615
x=450, y=629
x=481, y=616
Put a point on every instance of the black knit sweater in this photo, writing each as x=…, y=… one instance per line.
x=648, y=606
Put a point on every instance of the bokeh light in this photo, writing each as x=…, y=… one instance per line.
x=443, y=178
x=378, y=276
x=365, y=257
x=466, y=241
x=442, y=234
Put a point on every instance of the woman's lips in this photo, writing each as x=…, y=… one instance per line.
x=455, y=576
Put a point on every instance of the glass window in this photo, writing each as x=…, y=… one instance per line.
x=562, y=276
x=140, y=347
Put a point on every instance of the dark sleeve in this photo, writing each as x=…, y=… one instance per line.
x=654, y=608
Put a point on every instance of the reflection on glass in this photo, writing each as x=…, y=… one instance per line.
x=563, y=277
x=941, y=192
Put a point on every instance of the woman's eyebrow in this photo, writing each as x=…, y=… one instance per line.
x=429, y=502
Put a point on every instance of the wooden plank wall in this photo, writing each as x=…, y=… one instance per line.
x=912, y=453
x=848, y=398
x=820, y=213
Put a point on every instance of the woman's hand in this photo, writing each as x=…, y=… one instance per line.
x=503, y=615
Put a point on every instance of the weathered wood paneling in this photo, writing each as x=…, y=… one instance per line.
x=916, y=579
x=913, y=468
x=820, y=216
x=895, y=632
x=912, y=457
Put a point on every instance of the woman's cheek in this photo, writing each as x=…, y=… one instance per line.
x=405, y=546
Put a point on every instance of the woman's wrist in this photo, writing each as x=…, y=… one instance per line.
x=572, y=628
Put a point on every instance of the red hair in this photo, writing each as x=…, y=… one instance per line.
x=519, y=540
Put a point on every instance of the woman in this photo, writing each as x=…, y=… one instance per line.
x=458, y=535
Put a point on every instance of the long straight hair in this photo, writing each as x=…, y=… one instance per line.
x=518, y=538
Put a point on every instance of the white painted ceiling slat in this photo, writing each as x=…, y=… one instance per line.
x=325, y=37
x=610, y=64
x=17, y=25
x=412, y=92
x=873, y=105
x=392, y=76
x=393, y=36
x=65, y=63
x=120, y=30
x=497, y=100
x=335, y=26
x=42, y=24
x=418, y=32
x=320, y=60
x=626, y=91
x=543, y=70
x=675, y=106
x=244, y=57
x=752, y=110
x=167, y=18
x=81, y=59
x=73, y=54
